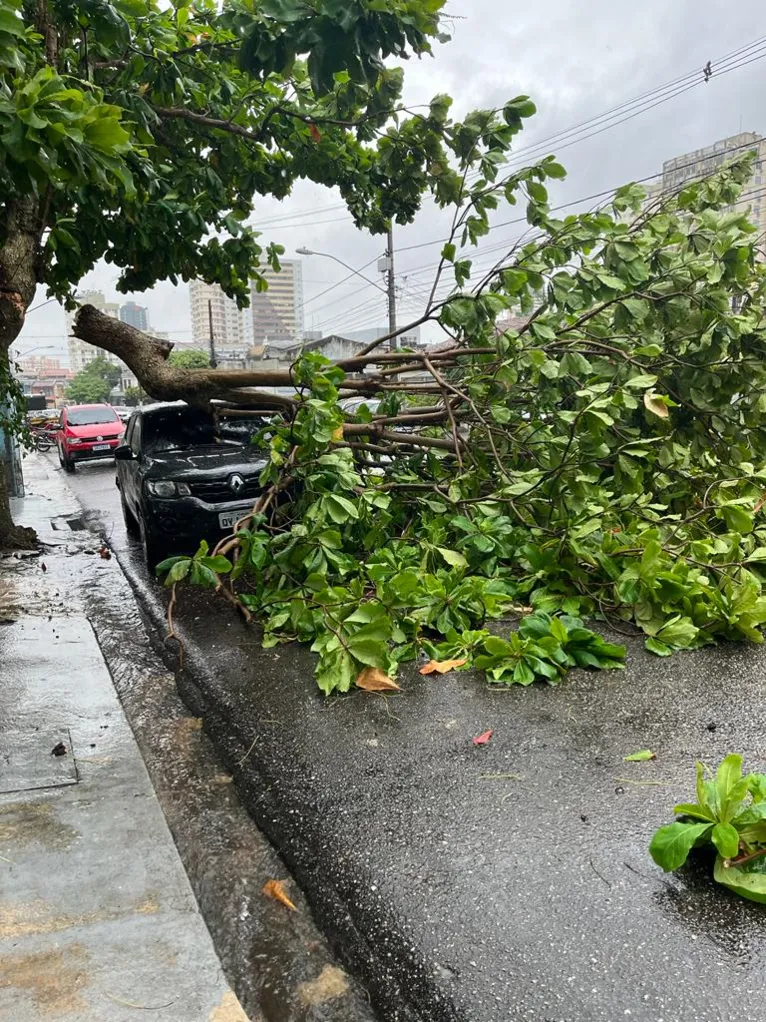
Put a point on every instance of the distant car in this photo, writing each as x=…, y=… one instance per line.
x=185, y=476
x=87, y=432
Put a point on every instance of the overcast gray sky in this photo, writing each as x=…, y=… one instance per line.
x=575, y=61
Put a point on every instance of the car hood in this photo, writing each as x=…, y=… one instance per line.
x=95, y=429
x=205, y=463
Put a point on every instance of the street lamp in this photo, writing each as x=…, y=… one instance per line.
x=38, y=347
x=329, y=255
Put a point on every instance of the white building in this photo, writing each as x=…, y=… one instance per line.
x=81, y=353
x=277, y=313
x=702, y=162
x=228, y=320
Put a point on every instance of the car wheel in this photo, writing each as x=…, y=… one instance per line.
x=66, y=463
x=153, y=547
x=131, y=525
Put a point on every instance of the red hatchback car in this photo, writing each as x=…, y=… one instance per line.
x=87, y=432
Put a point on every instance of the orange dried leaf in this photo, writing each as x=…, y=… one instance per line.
x=276, y=889
x=315, y=133
x=372, y=679
x=441, y=666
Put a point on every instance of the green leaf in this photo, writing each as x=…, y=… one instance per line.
x=10, y=24
x=671, y=845
x=168, y=563
x=693, y=809
x=640, y=756
x=341, y=509
x=748, y=880
x=657, y=647
x=641, y=382
x=726, y=840
x=219, y=564
x=553, y=169
x=179, y=571
x=453, y=557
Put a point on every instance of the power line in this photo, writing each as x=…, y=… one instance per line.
x=720, y=65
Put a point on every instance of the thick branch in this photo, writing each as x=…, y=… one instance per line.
x=147, y=358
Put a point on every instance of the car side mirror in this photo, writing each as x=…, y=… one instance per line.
x=123, y=453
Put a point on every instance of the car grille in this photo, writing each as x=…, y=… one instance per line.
x=219, y=491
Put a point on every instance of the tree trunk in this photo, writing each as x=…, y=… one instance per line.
x=18, y=254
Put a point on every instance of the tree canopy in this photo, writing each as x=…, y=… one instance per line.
x=192, y=359
x=94, y=383
x=122, y=123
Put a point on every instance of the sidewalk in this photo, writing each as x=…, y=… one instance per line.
x=98, y=922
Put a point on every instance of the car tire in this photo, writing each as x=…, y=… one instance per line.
x=66, y=463
x=131, y=525
x=153, y=547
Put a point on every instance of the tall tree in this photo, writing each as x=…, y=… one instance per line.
x=94, y=383
x=122, y=123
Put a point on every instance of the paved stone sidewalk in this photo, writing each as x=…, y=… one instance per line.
x=98, y=922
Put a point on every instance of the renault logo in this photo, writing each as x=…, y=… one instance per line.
x=236, y=483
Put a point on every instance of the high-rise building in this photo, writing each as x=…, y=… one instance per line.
x=277, y=313
x=228, y=325
x=135, y=315
x=701, y=162
x=80, y=353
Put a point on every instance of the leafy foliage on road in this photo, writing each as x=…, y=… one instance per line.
x=603, y=458
x=730, y=815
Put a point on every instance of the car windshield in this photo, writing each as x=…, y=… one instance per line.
x=90, y=416
x=174, y=429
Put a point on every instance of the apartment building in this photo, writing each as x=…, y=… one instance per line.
x=135, y=315
x=228, y=320
x=80, y=353
x=277, y=313
x=701, y=162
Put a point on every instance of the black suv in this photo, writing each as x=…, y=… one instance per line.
x=185, y=475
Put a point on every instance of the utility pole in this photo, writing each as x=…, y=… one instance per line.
x=213, y=361
x=391, y=287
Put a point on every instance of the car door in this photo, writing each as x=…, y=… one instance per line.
x=130, y=480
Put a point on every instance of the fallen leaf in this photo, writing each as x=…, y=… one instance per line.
x=315, y=133
x=483, y=739
x=59, y=750
x=276, y=889
x=372, y=679
x=43, y=566
x=441, y=666
x=105, y=553
x=640, y=756
x=655, y=404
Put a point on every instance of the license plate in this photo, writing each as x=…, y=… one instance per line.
x=101, y=447
x=227, y=519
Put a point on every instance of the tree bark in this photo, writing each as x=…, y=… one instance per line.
x=18, y=256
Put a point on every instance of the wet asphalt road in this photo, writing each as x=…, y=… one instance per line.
x=94, y=485
x=506, y=883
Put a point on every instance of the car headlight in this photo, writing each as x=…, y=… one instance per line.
x=73, y=440
x=167, y=488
